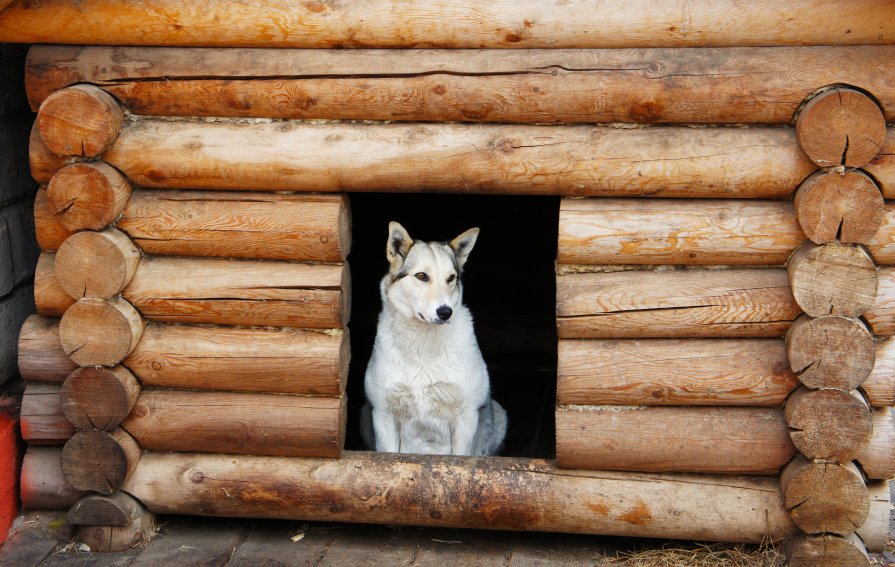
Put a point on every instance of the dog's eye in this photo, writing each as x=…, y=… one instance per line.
x=451, y=278
x=421, y=276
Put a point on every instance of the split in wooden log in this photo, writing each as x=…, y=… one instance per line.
x=510, y=494
x=226, y=422
x=41, y=356
x=677, y=303
x=49, y=231
x=96, y=264
x=99, y=461
x=104, y=539
x=830, y=425
x=496, y=159
x=42, y=484
x=82, y=120
x=100, y=332
x=826, y=551
x=824, y=497
x=879, y=388
x=720, y=372
x=672, y=439
x=42, y=420
x=874, y=532
x=278, y=360
x=454, y=24
x=117, y=509
x=676, y=85
x=99, y=398
x=833, y=279
x=658, y=231
x=877, y=460
x=830, y=352
x=847, y=206
x=49, y=297
x=87, y=196
x=841, y=127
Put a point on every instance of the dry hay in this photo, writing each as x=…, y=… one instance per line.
x=702, y=555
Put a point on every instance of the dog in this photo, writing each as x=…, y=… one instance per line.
x=427, y=384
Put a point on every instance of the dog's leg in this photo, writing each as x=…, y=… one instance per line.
x=385, y=432
x=463, y=435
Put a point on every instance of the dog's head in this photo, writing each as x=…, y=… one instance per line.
x=424, y=277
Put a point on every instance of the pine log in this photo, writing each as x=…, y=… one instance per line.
x=672, y=439
x=877, y=460
x=826, y=551
x=261, y=360
x=833, y=279
x=497, y=159
x=676, y=304
x=87, y=196
x=41, y=356
x=880, y=317
x=463, y=492
x=830, y=352
x=100, y=332
x=99, y=398
x=82, y=120
x=720, y=372
x=241, y=292
x=676, y=85
x=105, y=539
x=841, y=127
x=874, y=532
x=49, y=231
x=42, y=419
x=44, y=163
x=99, y=461
x=830, y=425
x=117, y=509
x=454, y=24
x=239, y=423
x=654, y=231
x=846, y=206
x=49, y=297
x=882, y=244
x=824, y=497
x=882, y=166
x=96, y=264
x=879, y=388
x=42, y=484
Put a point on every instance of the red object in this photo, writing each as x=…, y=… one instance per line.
x=10, y=460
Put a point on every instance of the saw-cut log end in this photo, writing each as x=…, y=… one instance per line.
x=848, y=207
x=828, y=424
x=99, y=397
x=833, y=279
x=100, y=461
x=825, y=550
x=824, y=498
x=96, y=264
x=87, y=196
x=100, y=332
x=841, y=127
x=82, y=120
x=830, y=352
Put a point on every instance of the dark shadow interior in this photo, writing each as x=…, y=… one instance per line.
x=509, y=285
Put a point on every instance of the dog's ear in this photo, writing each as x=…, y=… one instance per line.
x=462, y=245
x=399, y=243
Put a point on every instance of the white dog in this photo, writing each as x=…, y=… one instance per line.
x=427, y=384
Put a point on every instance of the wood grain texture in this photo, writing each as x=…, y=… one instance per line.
x=239, y=423
x=493, y=492
x=389, y=23
x=657, y=85
x=96, y=264
x=880, y=317
x=42, y=486
x=49, y=297
x=49, y=230
x=87, y=196
x=673, y=439
x=882, y=166
x=100, y=332
x=830, y=352
x=41, y=356
x=829, y=425
x=99, y=398
x=117, y=509
x=675, y=304
x=99, y=461
x=107, y=539
x=847, y=206
x=878, y=458
x=881, y=245
x=833, y=279
x=82, y=120
x=657, y=231
x=879, y=388
x=231, y=359
x=42, y=419
x=825, y=551
x=719, y=372
x=824, y=497
x=874, y=532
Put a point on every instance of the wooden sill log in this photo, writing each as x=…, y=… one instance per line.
x=99, y=398
x=100, y=332
x=719, y=372
x=826, y=550
x=42, y=420
x=105, y=539
x=676, y=85
x=491, y=492
x=830, y=352
x=41, y=356
x=833, y=279
x=829, y=425
x=42, y=484
x=117, y=509
x=673, y=439
x=824, y=497
x=99, y=461
x=845, y=206
x=238, y=423
x=455, y=24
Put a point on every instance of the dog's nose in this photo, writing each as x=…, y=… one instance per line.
x=444, y=312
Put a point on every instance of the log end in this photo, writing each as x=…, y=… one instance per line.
x=848, y=207
x=96, y=264
x=82, y=120
x=100, y=332
x=87, y=196
x=841, y=127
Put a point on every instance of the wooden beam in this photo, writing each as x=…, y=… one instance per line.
x=42, y=420
x=42, y=484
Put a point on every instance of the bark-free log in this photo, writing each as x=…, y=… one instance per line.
x=875, y=529
x=87, y=196
x=41, y=356
x=49, y=297
x=841, y=126
x=220, y=358
x=826, y=551
x=824, y=497
x=42, y=484
x=879, y=388
x=499, y=159
x=49, y=231
x=82, y=120
x=745, y=372
x=104, y=539
x=493, y=492
x=833, y=279
x=678, y=303
x=830, y=425
x=658, y=231
x=42, y=420
x=100, y=332
x=878, y=458
x=247, y=424
x=830, y=352
x=96, y=264
x=44, y=163
x=880, y=317
x=117, y=509
x=847, y=206
x=241, y=292
x=672, y=439
x=99, y=460
x=734, y=85
x=882, y=166
x=99, y=398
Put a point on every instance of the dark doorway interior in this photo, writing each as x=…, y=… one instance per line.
x=509, y=285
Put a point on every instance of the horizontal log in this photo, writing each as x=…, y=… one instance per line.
x=673, y=439
x=830, y=352
x=393, y=24
x=99, y=397
x=49, y=297
x=828, y=425
x=882, y=167
x=879, y=388
x=42, y=420
x=82, y=120
x=469, y=158
x=87, y=196
x=833, y=279
x=493, y=492
x=877, y=460
x=845, y=206
x=720, y=372
x=41, y=356
x=247, y=424
x=96, y=264
x=105, y=539
x=824, y=497
x=874, y=532
x=118, y=509
x=99, y=461
x=42, y=484
x=668, y=85
x=100, y=332
x=825, y=550
x=881, y=315
x=50, y=232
